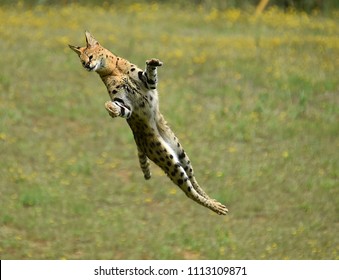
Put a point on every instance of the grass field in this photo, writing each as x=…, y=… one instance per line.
x=255, y=102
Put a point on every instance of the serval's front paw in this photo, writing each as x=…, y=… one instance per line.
x=112, y=109
x=154, y=62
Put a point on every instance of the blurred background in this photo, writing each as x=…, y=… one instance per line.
x=250, y=89
x=305, y=5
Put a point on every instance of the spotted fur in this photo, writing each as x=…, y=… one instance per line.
x=133, y=94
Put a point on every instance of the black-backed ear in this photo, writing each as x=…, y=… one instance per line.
x=78, y=50
x=90, y=40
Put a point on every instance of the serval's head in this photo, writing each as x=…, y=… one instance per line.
x=92, y=56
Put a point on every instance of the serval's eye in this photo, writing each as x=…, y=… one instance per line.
x=90, y=57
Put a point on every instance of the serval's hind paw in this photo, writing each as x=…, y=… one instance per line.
x=219, y=208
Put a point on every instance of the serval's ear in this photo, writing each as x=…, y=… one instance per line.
x=90, y=40
x=78, y=50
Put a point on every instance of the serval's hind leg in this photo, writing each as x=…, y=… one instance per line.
x=196, y=194
x=144, y=164
x=186, y=164
x=169, y=162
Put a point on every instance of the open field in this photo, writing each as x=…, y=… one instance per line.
x=255, y=102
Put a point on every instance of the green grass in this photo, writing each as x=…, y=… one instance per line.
x=255, y=102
